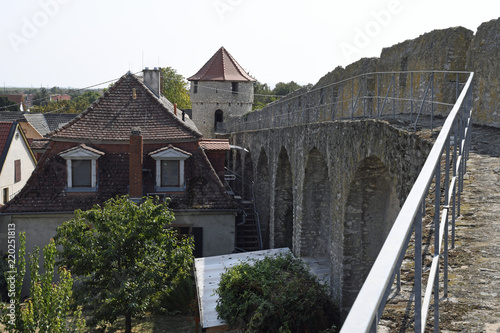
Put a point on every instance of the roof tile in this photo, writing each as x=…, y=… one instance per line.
x=221, y=67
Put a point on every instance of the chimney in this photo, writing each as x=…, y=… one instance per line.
x=175, y=109
x=152, y=79
x=135, y=164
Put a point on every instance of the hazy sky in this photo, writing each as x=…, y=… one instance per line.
x=81, y=43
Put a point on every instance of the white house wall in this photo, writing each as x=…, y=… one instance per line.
x=18, y=151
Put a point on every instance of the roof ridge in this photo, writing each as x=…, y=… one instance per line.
x=237, y=65
x=87, y=110
x=223, y=51
x=171, y=114
x=224, y=69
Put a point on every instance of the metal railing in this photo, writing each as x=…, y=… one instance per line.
x=234, y=177
x=378, y=95
x=446, y=160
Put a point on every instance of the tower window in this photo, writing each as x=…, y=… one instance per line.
x=219, y=119
x=195, y=87
x=234, y=87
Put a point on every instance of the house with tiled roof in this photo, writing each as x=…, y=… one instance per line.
x=133, y=141
x=16, y=98
x=219, y=90
x=17, y=161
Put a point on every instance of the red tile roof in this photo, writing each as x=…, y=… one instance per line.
x=113, y=115
x=46, y=191
x=16, y=98
x=221, y=67
x=215, y=144
x=5, y=129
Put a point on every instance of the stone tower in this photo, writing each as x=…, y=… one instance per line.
x=220, y=89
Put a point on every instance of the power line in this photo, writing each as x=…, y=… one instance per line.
x=79, y=89
x=114, y=80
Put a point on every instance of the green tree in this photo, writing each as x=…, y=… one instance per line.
x=48, y=308
x=283, y=89
x=175, y=88
x=275, y=294
x=41, y=97
x=124, y=256
x=261, y=90
x=77, y=104
x=7, y=105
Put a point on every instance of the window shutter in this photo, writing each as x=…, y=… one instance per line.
x=17, y=171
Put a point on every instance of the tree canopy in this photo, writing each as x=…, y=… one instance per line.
x=124, y=257
x=7, y=105
x=175, y=88
x=275, y=294
x=264, y=95
x=75, y=105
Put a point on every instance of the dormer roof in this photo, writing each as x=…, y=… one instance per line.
x=222, y=67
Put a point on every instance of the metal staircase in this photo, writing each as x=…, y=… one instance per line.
x=248, y=231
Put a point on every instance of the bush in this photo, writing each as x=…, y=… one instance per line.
x=275, y=294
x=4, y=267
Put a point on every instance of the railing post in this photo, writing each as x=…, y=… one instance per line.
x=377, y=83
x=364, y=96
x=418, y=271
x=411, y=97
x=432, y=102
x=437, y=199
x=393, y=97
x=352, y=98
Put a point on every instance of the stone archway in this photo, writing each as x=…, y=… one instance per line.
x=316, y=217
x=283, y=203
x=371, y=209
x=262, y=195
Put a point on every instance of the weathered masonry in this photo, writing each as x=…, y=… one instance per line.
x=330, y=190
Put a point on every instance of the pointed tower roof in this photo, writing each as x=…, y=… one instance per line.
x=221, y=67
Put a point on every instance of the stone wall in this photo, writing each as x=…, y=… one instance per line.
x=453, y=49
x=304, y=174
x=483, y=57
x=211, y=96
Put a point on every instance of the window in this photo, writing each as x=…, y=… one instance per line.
x=81, y=173
x=5, y=193
x=17, y=171
x=81, y=166
x=195, y=87
x=170, y=173
x=219, y=118
x=170, y=168
x=234, y=87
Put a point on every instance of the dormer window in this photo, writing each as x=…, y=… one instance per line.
x=81, y=166
x=170, y=168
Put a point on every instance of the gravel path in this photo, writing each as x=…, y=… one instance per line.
x=474, y=291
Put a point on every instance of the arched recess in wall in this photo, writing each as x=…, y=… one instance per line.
x=262, y=195
x=371, y=209
x=218, y=119
x=283, y=203
x=316, y=219
x=248, y=176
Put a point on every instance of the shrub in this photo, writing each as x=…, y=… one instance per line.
x=275, y=294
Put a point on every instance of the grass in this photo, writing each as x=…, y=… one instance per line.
x=157, y=324
x=152, y=324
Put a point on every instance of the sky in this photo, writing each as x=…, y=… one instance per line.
x=78, y=44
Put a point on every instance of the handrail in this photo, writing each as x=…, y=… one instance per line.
x=366, y=310
x=257, y=219
x=375, y=90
